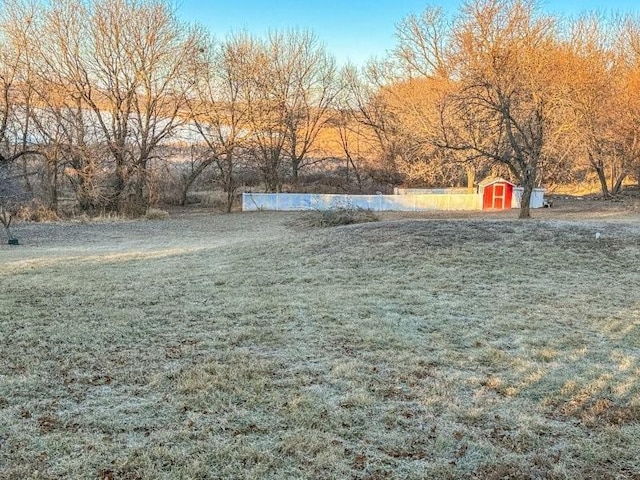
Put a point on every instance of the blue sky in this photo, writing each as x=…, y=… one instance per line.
x=351, y=29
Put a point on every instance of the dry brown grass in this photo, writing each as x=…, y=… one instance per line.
x=239, y=346
x=336, y=217
x=36, y=212
x=156, y=214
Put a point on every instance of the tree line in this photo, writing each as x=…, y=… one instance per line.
x=110, y=101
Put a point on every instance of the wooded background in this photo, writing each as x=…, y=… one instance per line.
x=117, y=105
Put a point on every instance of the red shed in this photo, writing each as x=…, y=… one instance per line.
x=496, y=193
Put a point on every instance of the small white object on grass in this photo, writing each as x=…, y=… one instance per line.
x=598, y=235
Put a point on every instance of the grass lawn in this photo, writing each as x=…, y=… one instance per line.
x=250, y=346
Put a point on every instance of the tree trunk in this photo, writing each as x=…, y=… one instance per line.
x=272, y=181
x=525, y=202
x=84, y=196
x=183, y=195
x=25, y=172
x=230, y=194
x=471, y=178
x=52, y=180
x=602, y=176
x=295, y=169
x=186, y=186
x=133, y=201
x=229, y=183
x=188, y=180
x=5, y=219
x=528, y=182
x=356, y=172
x=617, y=187
x=269, y=183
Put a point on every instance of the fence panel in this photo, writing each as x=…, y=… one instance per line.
x=401, y=203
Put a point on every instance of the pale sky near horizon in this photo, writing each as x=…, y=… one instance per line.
x=354, y=30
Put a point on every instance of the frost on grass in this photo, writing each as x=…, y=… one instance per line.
x=238, y=347
x=340, y=215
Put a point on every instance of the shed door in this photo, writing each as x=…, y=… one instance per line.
x=498, y=196
x=494, y=196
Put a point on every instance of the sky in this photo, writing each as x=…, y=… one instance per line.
x=352, y=30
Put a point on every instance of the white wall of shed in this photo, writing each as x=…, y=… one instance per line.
x=537, y=197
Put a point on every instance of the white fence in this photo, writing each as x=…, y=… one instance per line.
x=431, y=191
x=378, y=203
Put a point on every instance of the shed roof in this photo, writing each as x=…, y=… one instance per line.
x=491, y=180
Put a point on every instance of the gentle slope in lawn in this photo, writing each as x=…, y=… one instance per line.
x=249, y=346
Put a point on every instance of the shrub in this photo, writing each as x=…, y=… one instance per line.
x=36, y=212
x=156, y=214
x=82, y=219
x=340, y=216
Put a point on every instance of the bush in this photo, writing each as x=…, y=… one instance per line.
x=340, y=216
x=36, y=212
x=82, y=219
x=156, y=214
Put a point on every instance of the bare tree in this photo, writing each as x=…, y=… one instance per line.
x=219, y=110
x=12, y=196
x=15, y=85
x=264, y=96
x=346, y=126
x=596, y=99
x=309, y=83
x=294, y=83
x=629, y=44
x=418, y=104
x=489, y=86
x=72, y=149
x=506, y=95
x=424, y=45
x=381, y=129
x=352, y=140
x=125, y=62
x=15, y=113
